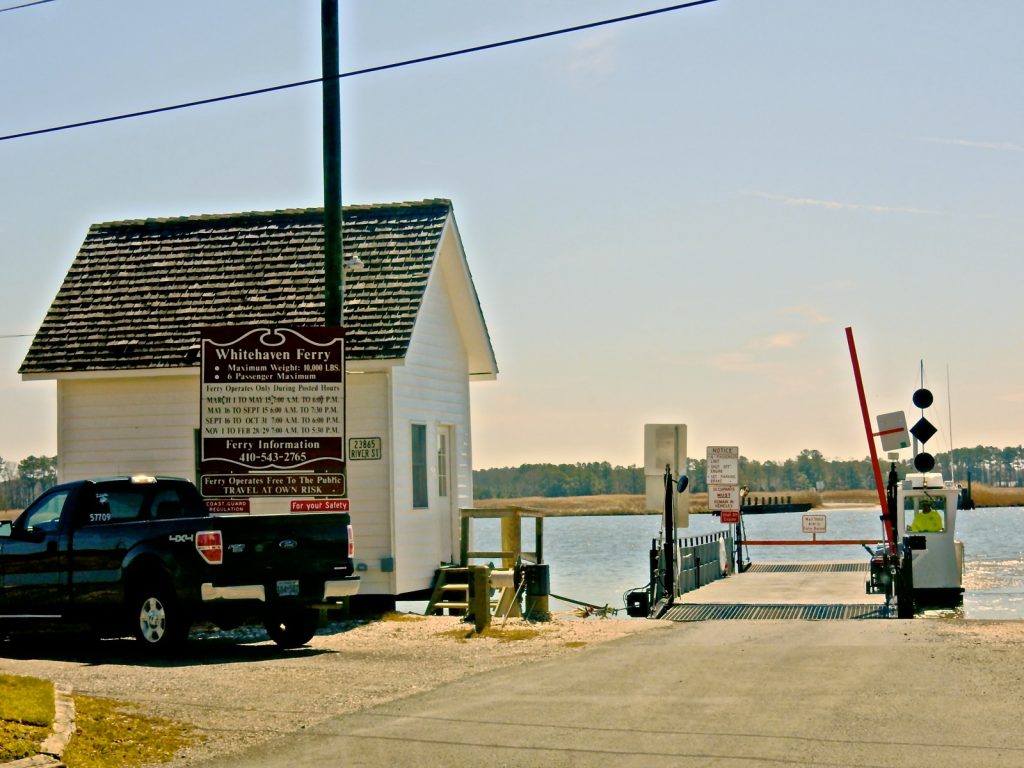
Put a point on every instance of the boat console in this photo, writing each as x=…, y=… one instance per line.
x=926, y=509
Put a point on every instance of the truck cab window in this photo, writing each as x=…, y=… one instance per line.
x=116, y=507
x=44, y=515
x=167, y=504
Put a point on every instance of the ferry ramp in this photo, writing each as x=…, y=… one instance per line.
x=808, y=591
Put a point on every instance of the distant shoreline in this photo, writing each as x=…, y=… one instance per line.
x=628, y=504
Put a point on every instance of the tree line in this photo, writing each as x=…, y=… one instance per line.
x=22, y=481
x=986, y=464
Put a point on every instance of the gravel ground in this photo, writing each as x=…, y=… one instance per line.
x=238, y=689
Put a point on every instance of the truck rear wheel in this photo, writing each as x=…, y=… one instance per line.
x=156, y=618
x=294, y=627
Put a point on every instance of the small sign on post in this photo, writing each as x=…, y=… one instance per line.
x=814, y=524
x=892, y=429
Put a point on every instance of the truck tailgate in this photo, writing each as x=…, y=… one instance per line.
x=259, y=548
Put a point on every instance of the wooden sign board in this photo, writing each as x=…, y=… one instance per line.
x=272, y=411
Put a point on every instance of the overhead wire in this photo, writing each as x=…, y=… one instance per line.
x=24, y=5
x=358, y=72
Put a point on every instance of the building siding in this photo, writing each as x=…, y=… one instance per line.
x=432, y=389
x=369, y=481
x=127, y=426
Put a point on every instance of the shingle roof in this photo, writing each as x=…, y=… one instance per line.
x=138, y=292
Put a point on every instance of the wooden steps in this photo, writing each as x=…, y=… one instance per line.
x=450, y=594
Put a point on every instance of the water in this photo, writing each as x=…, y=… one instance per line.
x=598, y=559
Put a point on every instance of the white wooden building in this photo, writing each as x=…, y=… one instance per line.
x=122, y=341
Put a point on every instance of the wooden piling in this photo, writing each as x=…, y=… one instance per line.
x=480, y=596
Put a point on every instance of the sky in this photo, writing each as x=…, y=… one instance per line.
x=668, y=220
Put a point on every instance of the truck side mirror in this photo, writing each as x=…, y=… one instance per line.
x=5, y=529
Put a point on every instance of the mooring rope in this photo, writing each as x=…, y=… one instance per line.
x=591, y=609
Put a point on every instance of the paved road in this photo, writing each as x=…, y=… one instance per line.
x=726, y=693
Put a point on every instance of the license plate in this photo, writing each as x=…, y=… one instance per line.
x=288, y=588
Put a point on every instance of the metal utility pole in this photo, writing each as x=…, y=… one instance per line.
x=334, y=288
x=670, y=537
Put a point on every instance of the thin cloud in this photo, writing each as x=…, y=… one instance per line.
x=777, y=341
x=836, y=205
x=736, y=362
x=597, y=54
x=998, y=146
x=813, y=314
x=756, y=353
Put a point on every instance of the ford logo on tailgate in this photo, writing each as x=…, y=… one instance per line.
x=288, y=544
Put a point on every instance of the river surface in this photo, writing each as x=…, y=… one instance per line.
x=597, y=559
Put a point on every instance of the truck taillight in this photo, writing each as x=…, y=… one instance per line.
x=210, y=545
x=351, y=543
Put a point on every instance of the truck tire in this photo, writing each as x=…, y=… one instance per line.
x=156, y=618
x=294, y=627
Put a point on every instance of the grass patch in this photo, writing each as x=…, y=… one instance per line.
x=991, y=496
x=502, y=635
x=18, y=740
x=26, y=700
x=114, y=733
x=857, y=496
x=396, y=616
x=26, y=715
x=625, y=504
x=574, y=644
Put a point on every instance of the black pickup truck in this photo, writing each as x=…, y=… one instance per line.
x=143, y=555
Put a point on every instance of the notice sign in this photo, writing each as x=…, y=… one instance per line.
x=813, y=523
x=723, y=497
x=319, y=505
x=723, y=479
x=227, y=506
x=274, y=484
x=273, y=411
x=723, y=465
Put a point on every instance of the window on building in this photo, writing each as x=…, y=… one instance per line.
x=442, y=463
x=419, y=466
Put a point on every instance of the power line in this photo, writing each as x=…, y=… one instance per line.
x=24, y=5
x=14, y=335
x=357, y=72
